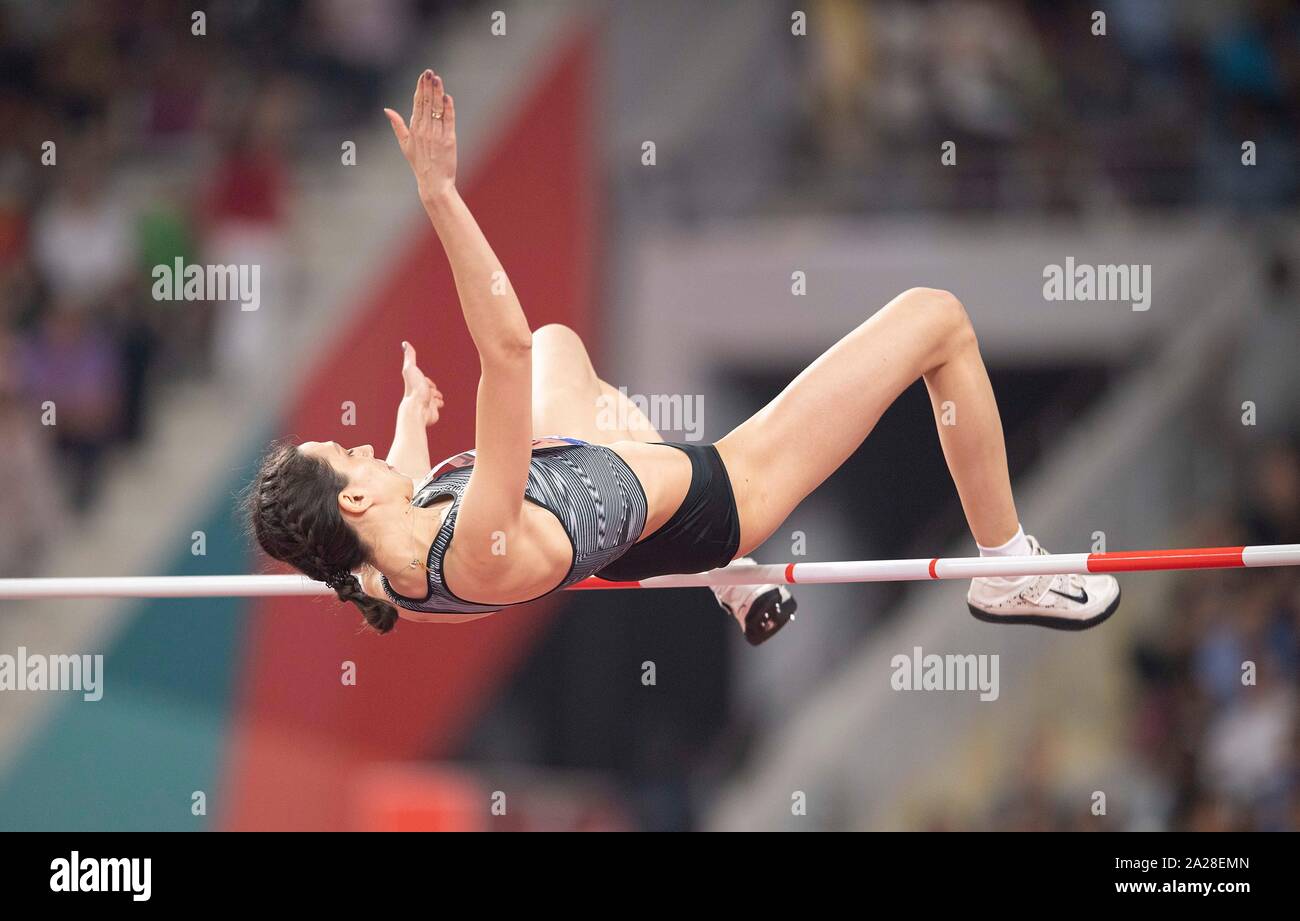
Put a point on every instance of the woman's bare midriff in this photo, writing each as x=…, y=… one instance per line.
x=665, y=475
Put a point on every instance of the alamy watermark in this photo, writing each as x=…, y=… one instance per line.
x=930, y=672
x=38, y=672
x=213, y=283
x=103, y=874
x=664, y=412
x=1084, y=282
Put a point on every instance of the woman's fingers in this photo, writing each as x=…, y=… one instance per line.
x=435, y=395
x=399, y=127
x=422, y=99
x=429, y=100
x=429, y=143
x=436, y=96
x=412, y=376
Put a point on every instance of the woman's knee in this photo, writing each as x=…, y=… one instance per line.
x=558, y=338
x=945, y=315
x=560, y=359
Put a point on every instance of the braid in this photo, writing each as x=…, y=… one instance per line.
x=378, y=614
x=292, y=508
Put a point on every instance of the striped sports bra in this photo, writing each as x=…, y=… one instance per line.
x=589, y=488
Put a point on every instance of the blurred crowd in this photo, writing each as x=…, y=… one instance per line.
x=1217, y=723
x=1044, y=113
x=1212, y=732
x=136, y=135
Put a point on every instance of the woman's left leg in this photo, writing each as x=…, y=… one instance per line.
x=570, y=399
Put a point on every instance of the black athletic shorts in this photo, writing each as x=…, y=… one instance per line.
x=703, y=534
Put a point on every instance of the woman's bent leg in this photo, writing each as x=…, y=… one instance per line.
x=569, y=399
x=824, y=414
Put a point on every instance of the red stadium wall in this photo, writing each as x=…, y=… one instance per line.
x=300, y=738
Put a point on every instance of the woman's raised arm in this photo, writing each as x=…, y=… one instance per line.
x=503, y=432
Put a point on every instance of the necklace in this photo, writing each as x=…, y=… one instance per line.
x=416, y=562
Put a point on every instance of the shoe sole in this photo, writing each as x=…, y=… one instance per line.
x=1042, y=620
x=754, y=634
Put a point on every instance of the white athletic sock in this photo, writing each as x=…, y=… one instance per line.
x=1017, y=546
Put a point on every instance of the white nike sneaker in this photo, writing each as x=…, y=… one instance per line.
x=761, y=610
x=1064, y=602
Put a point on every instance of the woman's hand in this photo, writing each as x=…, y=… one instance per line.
x=419, y=392
x=419, y=409
x=429, y=144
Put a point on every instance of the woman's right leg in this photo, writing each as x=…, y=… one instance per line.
x=825, y=413
x=788, y=448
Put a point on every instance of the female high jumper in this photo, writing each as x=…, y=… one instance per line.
x=550, y=495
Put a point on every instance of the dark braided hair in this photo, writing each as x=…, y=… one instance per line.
x=293, y=511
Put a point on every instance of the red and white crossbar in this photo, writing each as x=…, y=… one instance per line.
x=970, y=567
x=737, y=574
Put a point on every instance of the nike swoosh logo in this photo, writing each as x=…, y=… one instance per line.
x=1081, y=598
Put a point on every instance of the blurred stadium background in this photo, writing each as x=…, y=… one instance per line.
x=774, y=154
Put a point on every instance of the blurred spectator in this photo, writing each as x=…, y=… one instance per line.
x=79, y=62
x=34, y=509
x=82, y=240
x=1247, y=746
x=355, y=45
x=1271, y=509
x=13, y=213
x=988, y=68
x=173, y=80
x=1269, y=343
x=165, y=232
x=22, y=294
x=69, y=363
x=131, y=324
x=839, y=71
x=247, y=211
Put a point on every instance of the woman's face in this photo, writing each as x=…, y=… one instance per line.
x=371, y=481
